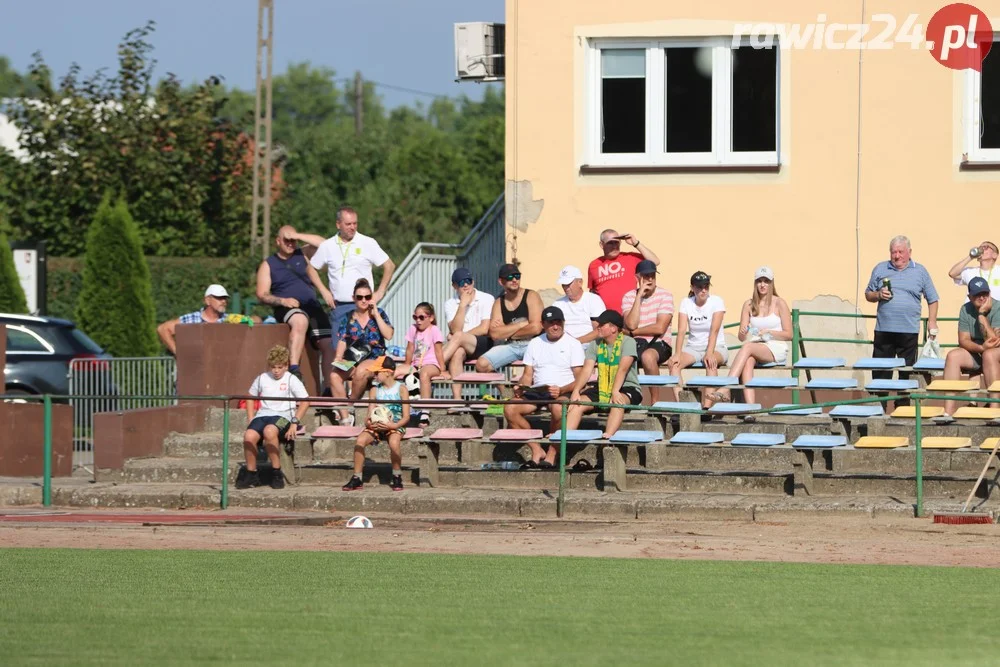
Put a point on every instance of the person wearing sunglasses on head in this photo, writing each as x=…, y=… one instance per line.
x=288, y=283
x=468, y=315
x=364, y=331
x=612, y=275
x=516, y=319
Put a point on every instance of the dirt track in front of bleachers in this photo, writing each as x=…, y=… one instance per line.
x=810, y=539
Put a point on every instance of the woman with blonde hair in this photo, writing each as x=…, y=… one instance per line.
x=765, y=329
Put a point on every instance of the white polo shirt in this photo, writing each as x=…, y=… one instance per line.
x=348, y=262
x=481, y=308
x=579, y=315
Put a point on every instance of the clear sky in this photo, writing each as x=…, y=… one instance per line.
x=408, y=43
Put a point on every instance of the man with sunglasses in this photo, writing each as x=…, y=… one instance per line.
x=216, y=300
x=986, y=253
x=288, y=283
x=468, y=316
x=612, y=275
x=515, y=320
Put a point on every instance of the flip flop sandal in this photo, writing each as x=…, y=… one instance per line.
x=545, y=465
x=529, y=465
x=719, y=397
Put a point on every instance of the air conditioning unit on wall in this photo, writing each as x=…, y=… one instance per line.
x=479, y=51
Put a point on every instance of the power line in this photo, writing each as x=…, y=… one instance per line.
x=403, y=89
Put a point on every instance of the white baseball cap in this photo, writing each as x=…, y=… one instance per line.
x=218, y=291
x=569, y=274
x=764, y=272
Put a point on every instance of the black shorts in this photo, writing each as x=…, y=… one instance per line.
x=483, y=344
x=258, y=424
x=662, y=348
x=634, y=396
x=319, y=319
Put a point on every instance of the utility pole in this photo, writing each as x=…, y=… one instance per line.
x=359, y=103
x=262, y=146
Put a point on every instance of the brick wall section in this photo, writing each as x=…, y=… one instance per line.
x=22, y=440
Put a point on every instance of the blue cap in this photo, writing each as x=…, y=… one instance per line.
x=460, y=274
x=977, y=286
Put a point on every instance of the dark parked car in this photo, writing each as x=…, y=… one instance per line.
x=39, y=352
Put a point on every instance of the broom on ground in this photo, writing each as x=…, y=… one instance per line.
x=965, y=517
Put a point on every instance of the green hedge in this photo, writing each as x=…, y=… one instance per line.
x=178, y=283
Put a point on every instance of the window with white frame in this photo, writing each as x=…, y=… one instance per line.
x=982, y=108
x=697, y=103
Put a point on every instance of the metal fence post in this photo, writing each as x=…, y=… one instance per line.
x=47, y=455
x=796, y=336
x=920, y=459
x=560, y=500
x=225, y=454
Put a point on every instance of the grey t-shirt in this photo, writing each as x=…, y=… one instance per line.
x=628, y=350
x=968, y=321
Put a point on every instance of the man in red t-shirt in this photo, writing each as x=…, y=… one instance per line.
x=613, y=274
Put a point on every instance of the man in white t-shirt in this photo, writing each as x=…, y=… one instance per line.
x=987, y=254
x=552, y=365
x=348, y=257
x=468, y=317
x=648, y=311
x=580, y=307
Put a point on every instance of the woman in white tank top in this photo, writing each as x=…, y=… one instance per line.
x=765, y=329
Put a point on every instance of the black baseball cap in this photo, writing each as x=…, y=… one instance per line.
x=553, y=314
x=611, y=317
x=645, y=268
x=700, y=279
x=506, y=270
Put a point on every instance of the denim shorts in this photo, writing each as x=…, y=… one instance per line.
x=504, y=355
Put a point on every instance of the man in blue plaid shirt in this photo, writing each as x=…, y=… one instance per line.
x=216, y=300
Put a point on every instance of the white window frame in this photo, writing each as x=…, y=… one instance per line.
x=655, y=154
x=48, y=348
x=972, y=115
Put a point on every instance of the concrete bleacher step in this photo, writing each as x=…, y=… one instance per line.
x=934, y=487
x=206, y=444
x=167, y=470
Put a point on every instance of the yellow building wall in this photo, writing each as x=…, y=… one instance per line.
x=809, y=222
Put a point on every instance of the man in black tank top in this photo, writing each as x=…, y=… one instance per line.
x=516, y=319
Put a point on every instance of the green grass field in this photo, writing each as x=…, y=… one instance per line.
x=171, y=607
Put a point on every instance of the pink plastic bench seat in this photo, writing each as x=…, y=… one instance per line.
x=517, y=434
x=457, y=434
x=480, y=377
x=413, y=433
x=337, y=432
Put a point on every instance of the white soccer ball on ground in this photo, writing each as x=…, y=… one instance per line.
x=359, y=522
x=380, y=415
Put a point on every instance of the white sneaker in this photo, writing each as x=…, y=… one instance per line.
x=347, y=421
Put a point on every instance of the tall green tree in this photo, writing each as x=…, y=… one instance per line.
x=115, y=306
x=12, y=298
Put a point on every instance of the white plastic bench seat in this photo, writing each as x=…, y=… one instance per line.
x=696, y=438
x=758, y=439
x=819, y=441
x=821, y=362
x=641, y=437
x=677, y=405
x=892, y=385
x=832, y=383
x=712, y=381
x=773, y=382
x=577, y=435
x=880, y=362
x=658, y=380
x=799, y=410
x=857, y=411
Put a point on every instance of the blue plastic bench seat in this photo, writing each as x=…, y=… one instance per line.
x=677, y=405
x=577, y=435
x=712, y=381
x=857, y=411
x=779, y=383
x=772, y=364
x=637, y=436
x=696, y=438
x=880, y=362
x=759, y=439
x=734, y=407
x=924, y=364
x=800, y=410
x=658, y=380
x=819, y=441
x=898, y=385
x=821, y=362
x=832, y=383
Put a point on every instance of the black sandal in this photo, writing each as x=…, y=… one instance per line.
x=583, y=465
x=529, y=465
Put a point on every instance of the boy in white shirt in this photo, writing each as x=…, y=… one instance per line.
x=275, y=421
